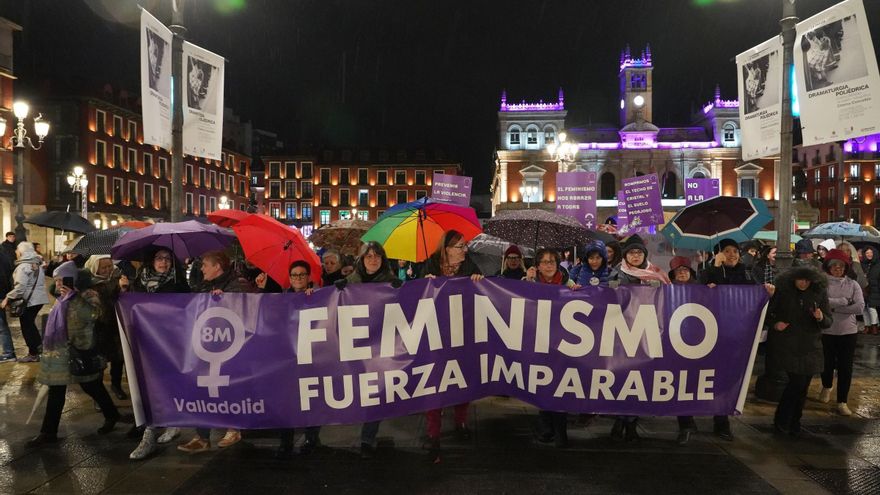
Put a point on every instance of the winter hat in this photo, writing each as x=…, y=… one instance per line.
x=828, y=244
x=513, y=249
x=803, y=246
x=677, y=262
x=633, y=242
x=723, y=243
x=66, y=269
x=85, y=280
x=836, y=255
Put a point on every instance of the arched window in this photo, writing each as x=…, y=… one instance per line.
x=729, y=132
x=699, y=175
x=514, y=136
x=549, y=135
x=670, y=185
x=532, y=136
x=607, y=186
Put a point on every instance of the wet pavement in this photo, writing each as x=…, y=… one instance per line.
x=835, y=455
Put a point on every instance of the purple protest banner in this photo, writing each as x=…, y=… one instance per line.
x=576, y=196
x=622, y=217
x=643, y=204
x=454, y=189
x=696, y=190
x=371, y=351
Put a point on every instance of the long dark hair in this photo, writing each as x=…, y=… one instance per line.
x=376, y=248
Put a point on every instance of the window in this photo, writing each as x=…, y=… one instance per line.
x=306, y=189
x=132, y=193
x=230, y=162
x=817, y=176
x=132, y=160
x=747, y=187
x=290, y=170
x=202, y=208
x=402, y=197
x=832, y=172
x=163, y=169
x=274, y=189
x=100, y=121
x=132, y=130
x=202, y=181
x=117, y=126
x=242, y=167
x=242, y=188
x=222, y=182
x=275, y=210
x=831, y=216
x=148, y=165
x=306, y=211
x=420, y=177
x=344, y=199
x=306, y=169
x=117, y=156
x=363, y=198
x=363, y=178
x=855, y=215
x=213, y=179
x=290, y=189
x=877, y=171
x=831, y=195
x=421, y=194
x=325, y=197
x=729, y=132
x=607, y=186
x=877, y=195
x=274, y=170
x=363, y=214
x=163, y=198
x=100, y=153
x=638, y=81
x=854, y=193
x=549, y=136
x=699, y=175
x=325, y=177
x=289, y=211
x=382, y=198
x=344, y=179
x=230, y=183
x=400, y=177
x=532, y=137
x=344, y=214
x=325, y=217
x=189, y=172
x=382, y=177
x=117, y=192
x=101, y=189
x=189, y=203
x=514, y=137
x=855, y=172
x=212, y=204
x=817, y=197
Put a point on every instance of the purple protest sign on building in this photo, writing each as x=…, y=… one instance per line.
x=622, y=217
x=696, y=190
x=372, y=351
x=576, y=196
x=643, y=205
x=454, y=189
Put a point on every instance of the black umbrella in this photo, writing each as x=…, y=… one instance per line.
x=536, y=227
x=97, y=242
x=62, y=220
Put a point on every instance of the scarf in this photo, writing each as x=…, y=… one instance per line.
x=450, y=270
x=555, y=280
x=55, y=335
x=768, y=274
x=649, y=272
x=152, y=280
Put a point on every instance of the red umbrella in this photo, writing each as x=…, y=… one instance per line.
x=133, y=224
x=272, y=246
x=227, y=218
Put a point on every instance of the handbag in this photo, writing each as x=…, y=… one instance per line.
x=16, y=307
x=84, y=362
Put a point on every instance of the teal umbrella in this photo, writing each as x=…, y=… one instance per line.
x=702, y=225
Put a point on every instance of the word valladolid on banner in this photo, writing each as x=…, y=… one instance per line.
x=369, y=352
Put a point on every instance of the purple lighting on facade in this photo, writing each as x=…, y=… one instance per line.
x=862, y=144
x=648, y=145
x=532, y=107
x=719, y=103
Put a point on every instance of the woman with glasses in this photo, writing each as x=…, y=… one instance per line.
x=449, y=260
x=513, y=267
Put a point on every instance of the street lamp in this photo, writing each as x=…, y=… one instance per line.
x=224, y=203
x=528, y=193
x=17, y=143
x=563, y=153
x=79, y=184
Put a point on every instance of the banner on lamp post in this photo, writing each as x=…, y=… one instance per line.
x=696, y=190
x=759, y=77
x=643, y=204
x=203, y=74
x=155, y=81
x=576, y=196
x=453, y=189
x=838, y=84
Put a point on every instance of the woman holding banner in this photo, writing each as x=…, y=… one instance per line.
x=160, y=273
x=554, y=424
x=371, y=267
x=449, y=260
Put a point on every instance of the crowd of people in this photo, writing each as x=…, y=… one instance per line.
x=810, y=327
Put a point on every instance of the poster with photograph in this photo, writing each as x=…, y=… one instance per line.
x=202, y=102
x=576, y=196
x=155, y=81
x=759, y=76
x=837, y=79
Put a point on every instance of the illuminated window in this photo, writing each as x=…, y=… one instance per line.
x=324, y=217
x=854, y=171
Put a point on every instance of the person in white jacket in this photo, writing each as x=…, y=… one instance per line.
x=839, y=340
x=28, y=283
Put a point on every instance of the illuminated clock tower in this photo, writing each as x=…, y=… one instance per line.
x=636, y=86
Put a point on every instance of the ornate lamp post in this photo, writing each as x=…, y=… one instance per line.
x=79, y=184
x=224, y=203
x=17, y=143
x=563, y=153
x=528, y=193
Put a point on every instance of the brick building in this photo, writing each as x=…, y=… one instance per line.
x=7, y=161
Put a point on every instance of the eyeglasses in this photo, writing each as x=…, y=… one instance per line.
x=299, y=275
x=514, y=257
x=460, y=246
x=547, y=262
x=162, y=258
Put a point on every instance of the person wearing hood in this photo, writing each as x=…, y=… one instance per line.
x=799, y=311
x=855, y=268
x=839, y=340
x=727, y=267
x=106, y=283
x=71, y=323
x=805, y=255
x=593, y=269
x=823, y=248
x=29, y=284
x=512, y=267
x=871, y=267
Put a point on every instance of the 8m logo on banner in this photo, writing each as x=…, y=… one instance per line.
x=203, y=334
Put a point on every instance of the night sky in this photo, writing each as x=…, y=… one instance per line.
x=414, y=73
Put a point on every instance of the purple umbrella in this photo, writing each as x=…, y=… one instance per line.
x=185, y=239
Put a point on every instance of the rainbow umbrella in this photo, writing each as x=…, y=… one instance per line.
x=411, y=231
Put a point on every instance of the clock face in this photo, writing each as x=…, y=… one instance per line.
x=639, y=100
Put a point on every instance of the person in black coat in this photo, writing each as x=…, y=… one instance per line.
x=799, y=311
x=513, y=264
x=7, y=350
x=871, y=267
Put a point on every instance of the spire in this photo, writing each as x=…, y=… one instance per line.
x=503, y=98
x=648, y=52
x=622, y=57
x=627, y=51
x=717, y=92
x=561, y=97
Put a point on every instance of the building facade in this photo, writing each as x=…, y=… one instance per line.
x=311, y=190
x=707, y=148
x=7, y=160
